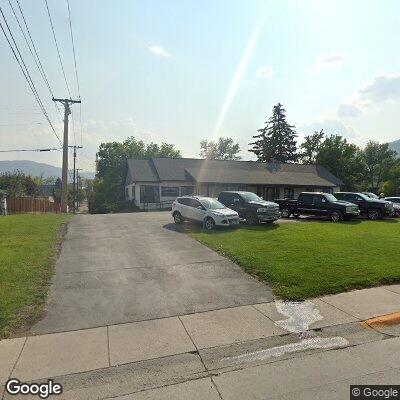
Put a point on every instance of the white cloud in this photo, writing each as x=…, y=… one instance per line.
x=371, y=97
x=264, y=72
x=329, y=61
x=158, y=51
x=348, y=111
x=383, y=88
x=330, y=126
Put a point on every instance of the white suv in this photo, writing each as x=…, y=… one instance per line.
x=204, y=209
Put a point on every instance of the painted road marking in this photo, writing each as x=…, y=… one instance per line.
x=300, y=315
x=305, y=344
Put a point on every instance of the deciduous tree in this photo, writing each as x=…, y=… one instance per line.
x=378, y=160
x=310, y=147
x=223, y=149
x=342, y=159
x=111, y=168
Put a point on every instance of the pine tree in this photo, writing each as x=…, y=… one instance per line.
x=277, y=140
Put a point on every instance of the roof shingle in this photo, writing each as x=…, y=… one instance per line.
x=241, y=172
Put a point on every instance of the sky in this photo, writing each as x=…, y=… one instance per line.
x=179, y=71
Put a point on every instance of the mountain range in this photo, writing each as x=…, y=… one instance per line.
x=37, y=169
x=396, y=147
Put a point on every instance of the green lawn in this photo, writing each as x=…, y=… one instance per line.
x=27, y=248
x=308, y=259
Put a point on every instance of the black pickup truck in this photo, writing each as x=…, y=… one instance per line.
x=370, y=207
x=250, y=207
x=320, y=204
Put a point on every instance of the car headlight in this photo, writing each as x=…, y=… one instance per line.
x=262, y=210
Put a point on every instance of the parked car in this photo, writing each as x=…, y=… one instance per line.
x=371, y=195
x=396, y=204
x=251, y=207
x=207, y=210
x=319, y=204
x=370, y=207
x=376, y=197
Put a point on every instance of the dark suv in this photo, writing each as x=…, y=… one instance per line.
x=250, y=207
x=369, y=207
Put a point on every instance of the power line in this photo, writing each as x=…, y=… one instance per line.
x=76, y=73
x=34, y=52
x=23, y=124
x=58, y=50
x=73, y=49
x=17, y=150
x=25, y=71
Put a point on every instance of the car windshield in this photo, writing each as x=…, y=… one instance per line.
x=251, y=197
x=372, y=195
x=212, y=204
x=366, y=197
x=330, y=197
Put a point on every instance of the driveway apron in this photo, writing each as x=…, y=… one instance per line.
x=120, y=268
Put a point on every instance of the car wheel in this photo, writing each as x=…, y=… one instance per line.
x=296, y=215
x=178, y=218
x=209, y=224
x=251, y=219
x=285, y=212
x=336, y=216
x=373, y=215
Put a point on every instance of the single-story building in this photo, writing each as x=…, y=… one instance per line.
x=153, y=181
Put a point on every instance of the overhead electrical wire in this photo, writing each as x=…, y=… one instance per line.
x=58, y=50
x=33, y=50
x=76, y=69
x=24, y=69
x=17, y=150
x=73, y=49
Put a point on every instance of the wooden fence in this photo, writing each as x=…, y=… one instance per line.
x=17, y=205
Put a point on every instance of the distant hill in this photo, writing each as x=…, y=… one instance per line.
x=36, y=169
x=395, y=146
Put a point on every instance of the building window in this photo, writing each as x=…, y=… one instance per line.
x=127, y=193
x=187, y=190
x=149, y=194
x=288, y=193
x=133, y=192
x=167, y=191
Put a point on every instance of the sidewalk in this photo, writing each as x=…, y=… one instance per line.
x=227, y=353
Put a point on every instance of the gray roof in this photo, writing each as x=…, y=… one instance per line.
x=237, y=172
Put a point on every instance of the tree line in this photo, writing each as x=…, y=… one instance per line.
x=374, y=168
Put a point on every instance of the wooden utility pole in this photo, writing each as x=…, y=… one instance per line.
x=64, y=190
x=75, y=172
x=77, y=187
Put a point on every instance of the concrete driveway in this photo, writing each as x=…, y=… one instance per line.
x=121, y=268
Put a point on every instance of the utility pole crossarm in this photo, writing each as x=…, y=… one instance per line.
x=66, y=101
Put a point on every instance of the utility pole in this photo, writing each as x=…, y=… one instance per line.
x=64, y=190
x=77, y=186
x=74, y=191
